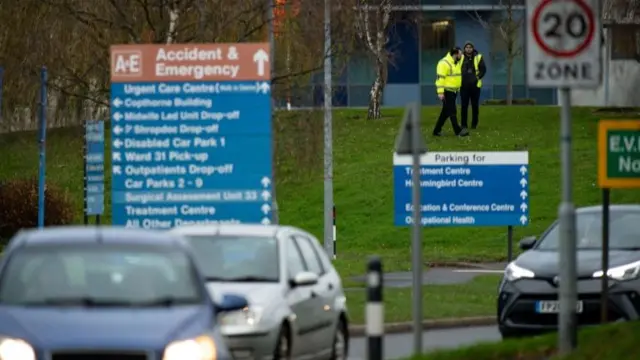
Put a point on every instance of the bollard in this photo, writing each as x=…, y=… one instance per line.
x=374, y=313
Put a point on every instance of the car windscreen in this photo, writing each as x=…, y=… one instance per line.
x=99, y=274
x=624, y=232
x=237, y=258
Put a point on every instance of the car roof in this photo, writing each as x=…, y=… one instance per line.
x=613, y=207
x=95, y=234
x=230, y=229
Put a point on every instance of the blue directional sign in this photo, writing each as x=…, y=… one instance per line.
x=94, y=167
x=187, y=149
x=464, y=189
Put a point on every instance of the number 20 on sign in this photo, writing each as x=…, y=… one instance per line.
x=563, y=43
x=619, y=154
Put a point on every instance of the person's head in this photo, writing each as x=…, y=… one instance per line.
x=468, y=48
x=456, y=53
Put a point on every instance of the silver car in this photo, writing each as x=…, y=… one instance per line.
x=297, y=307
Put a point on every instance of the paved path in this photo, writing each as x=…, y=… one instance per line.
x=440, y=276
x=398, y=346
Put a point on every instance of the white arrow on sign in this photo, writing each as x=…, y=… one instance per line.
x=260, y=58
x=523, y=207
x=523, y=170
x=263, y=87
x=265, y=181
x=523, y=194
x=265, y=209
x=117, y=143
x=116, y=156
x=117, y=116
x=265, y=221
x=523, y=219
x=266, y=195
x=117, y=130
x=523, y=182
x=117, y=102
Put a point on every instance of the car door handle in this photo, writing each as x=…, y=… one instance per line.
x=330, y=286
x=313, y=294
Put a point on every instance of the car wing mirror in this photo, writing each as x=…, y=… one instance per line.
x=527, y=242
x=304, y=278
x=231, y=302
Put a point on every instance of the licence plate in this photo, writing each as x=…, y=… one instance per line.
x=552, y=307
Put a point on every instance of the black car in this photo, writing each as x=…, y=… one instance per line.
x=528, y=292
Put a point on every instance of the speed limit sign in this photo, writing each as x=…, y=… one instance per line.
x=563, y=43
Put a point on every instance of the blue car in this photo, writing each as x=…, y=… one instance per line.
x=101, y=293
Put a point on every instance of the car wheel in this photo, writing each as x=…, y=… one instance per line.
x=340, y=342
x=283, y=346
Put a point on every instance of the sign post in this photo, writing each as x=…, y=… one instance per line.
x=412, y=146
x=93, y=170
x=618, y=168
x=191, y=134
x=563, y=51
x=453, y=189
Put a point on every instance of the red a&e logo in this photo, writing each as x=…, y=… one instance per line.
x=126, y=63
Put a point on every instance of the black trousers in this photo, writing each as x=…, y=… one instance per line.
x=448, y=112
x=470, y=94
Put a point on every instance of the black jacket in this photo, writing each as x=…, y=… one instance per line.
x=469, y=77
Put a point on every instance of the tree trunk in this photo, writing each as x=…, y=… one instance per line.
x=509, y=79
x=377, y=89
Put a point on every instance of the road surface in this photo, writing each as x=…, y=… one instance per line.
x=438, y=276
x=398, y=346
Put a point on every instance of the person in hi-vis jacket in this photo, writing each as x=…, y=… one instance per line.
x=473, y=70
x=448, y=82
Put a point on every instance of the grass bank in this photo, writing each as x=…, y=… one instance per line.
x=609, y=342
x=477, y=298
x=363, y=177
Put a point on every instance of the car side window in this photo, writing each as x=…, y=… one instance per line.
x=295, y=262
x=310, y=255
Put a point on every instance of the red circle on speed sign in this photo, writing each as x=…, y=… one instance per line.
x=565, y=53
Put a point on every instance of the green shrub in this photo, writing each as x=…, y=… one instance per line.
x=19, y=207
x=524, y=101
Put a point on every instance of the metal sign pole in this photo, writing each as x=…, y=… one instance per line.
x=604, y=297
x=410, y=142
x=275, y=212
x=416, y=238
x=328, y=135
x=85, y=152
x=42, y=135
x=568, y=287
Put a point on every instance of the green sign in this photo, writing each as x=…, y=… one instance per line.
x=619, y=154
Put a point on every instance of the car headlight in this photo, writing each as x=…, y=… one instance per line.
x=514, y=272
x=199, y=348
x=621, y=273
x=16, y=349
x=247, y=316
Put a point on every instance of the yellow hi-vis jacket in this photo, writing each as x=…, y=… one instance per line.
x=448, y=75
x=476, y=64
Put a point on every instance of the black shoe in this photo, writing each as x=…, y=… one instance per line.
x=438, y=133
x=474, y=127
x=463, y=132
